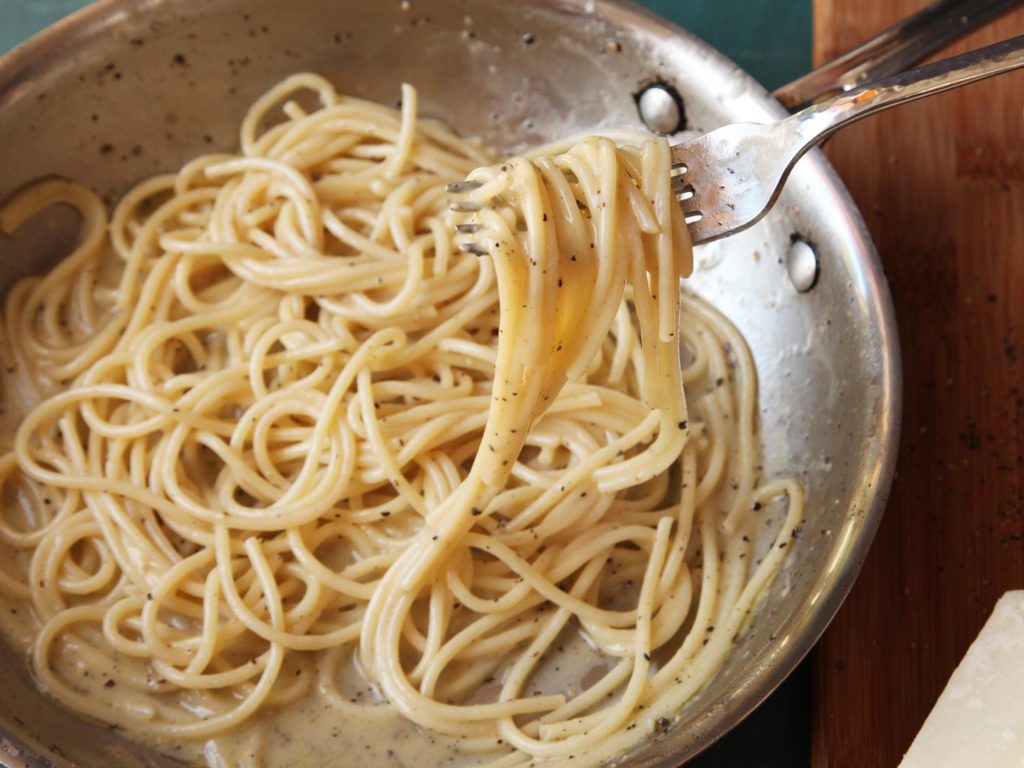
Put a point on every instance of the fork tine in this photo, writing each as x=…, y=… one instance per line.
x=464, y=205
x=474, y=248
x=689, y=207
x=678, y=175
x=458, y=187
x=688, y=203
x=681, y=186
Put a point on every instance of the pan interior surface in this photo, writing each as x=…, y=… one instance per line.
x=129, y=88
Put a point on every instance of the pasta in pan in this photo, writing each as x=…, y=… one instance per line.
x=283, y=450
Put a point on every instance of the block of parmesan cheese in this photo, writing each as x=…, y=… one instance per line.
x=979, y=718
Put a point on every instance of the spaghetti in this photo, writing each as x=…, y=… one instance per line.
x=279, y=439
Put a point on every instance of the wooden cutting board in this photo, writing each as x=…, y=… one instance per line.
x=941, y=185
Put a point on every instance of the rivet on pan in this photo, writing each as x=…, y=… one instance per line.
x=661, y=108
x=802, y=264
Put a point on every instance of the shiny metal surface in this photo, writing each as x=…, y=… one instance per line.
x=894, y=49
x=130, y=87
x=730, y=177
x=660, y=109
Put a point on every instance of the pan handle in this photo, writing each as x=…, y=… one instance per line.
x=895, y=49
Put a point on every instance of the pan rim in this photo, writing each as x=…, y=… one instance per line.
x=43, y=50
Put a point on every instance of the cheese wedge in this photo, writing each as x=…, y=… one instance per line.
x=979, y=718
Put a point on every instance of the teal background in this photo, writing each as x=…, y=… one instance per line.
x=771, y=39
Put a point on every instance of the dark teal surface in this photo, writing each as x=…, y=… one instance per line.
x=771, y=39
x=20, y=19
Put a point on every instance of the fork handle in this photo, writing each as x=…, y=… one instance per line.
x=894, y=49
x=816, y=123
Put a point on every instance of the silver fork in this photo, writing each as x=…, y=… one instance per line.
x=728, y=179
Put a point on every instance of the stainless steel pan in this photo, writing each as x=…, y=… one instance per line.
x=130, y=87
